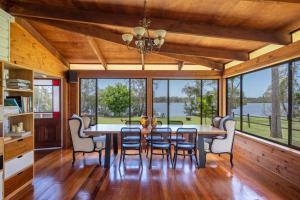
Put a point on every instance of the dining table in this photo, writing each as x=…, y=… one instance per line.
x=112, y=132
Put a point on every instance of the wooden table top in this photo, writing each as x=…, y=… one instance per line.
x=100, y=129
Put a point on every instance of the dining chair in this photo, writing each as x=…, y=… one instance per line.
x=174, y=138
x=130, y=140
x=189, y=144
x=98, y=140
x=160, y=140
x=84, y=144
x=223, y=145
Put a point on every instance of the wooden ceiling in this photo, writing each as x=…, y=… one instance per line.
x=204, y=32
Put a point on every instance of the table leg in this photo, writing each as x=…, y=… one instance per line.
x=115, y=143
x=107, y=151
x=202, y=154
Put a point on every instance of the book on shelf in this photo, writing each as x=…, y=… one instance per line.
x=17, y=84
x=11, y=107
x=24, y=103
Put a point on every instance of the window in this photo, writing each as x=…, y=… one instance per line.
x=295, y=117
x=190, y=101
x=113, y=101
x=261, y=101
x=233, y=99
x=46, y=98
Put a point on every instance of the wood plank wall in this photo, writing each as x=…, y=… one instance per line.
x=25, y=50
x=278, y=159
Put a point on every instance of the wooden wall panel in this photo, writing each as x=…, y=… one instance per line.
x=285, y=53
x=26, y=51
x=278, y=159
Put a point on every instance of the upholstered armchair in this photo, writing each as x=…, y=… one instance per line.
x=82, y=143
x=223, y=145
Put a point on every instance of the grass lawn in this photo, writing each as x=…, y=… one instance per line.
x=255, y=127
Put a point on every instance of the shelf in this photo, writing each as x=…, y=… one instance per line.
x=13, y=139
x=18, y=90
x=20, y=114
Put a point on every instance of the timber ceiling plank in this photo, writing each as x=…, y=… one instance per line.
x=171, y=25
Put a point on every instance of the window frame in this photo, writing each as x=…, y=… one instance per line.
x=129, y=88
x=188, y=79
x=290, y=101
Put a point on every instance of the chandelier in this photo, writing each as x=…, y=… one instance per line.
x=143, y=42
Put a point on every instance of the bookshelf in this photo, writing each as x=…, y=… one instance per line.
x=16, y=151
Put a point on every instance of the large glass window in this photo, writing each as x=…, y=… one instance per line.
x=264, y=99
x=296, y=104
x=189, y=101
x=160, y=100
x=233, y=99
x=209, y=103
x=113, y=101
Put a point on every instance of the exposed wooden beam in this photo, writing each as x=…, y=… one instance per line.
x=276, y=1
x=180, y=65
x=97, y=51
x=196, y=60
x=29, y=28
x=176, y=26
x=178, y=49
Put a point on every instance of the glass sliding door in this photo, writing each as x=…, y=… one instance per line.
x=138, y=94
x=160, y=100
x=113, y=101
x=209, y=103
x=295, y=116
x=88, y=104
x=265, y=103
x=184, y=101
x=233, y=99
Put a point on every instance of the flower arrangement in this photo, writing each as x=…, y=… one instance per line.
x=144, y=121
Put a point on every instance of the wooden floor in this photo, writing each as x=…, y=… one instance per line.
x=55, y=178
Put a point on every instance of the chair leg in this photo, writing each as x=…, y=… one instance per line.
x=175, y=158
x=73, y=158
x=121, y=157
x=169, y=154
x=162, y=152
x=196, y=158
x=83, y=153
x=100, y=154
x=140, y=154
x=124, y=152
x=231, y=159
x=147, y=150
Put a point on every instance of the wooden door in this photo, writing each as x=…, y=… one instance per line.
x=47, y=122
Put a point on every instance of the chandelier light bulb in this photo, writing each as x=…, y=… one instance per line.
x=127, y=37
x=139, y=31
x=160, y=33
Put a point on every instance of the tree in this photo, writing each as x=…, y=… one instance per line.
x=276, y=131
x=190, y=104
x=138, y=95
x=116, y=98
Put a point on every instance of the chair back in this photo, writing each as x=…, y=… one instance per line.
x=134, y=133
x=173, y=122
x=223, y=122
x=132, y=122
x=79, y=143
x=163, y=133
x=190, y=135
x=86, y=121
x=216, y=121
x=225, y=145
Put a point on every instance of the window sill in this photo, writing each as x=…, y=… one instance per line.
x=268, y=143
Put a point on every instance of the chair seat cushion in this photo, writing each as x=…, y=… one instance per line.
x=174, y=138
x=131, y=145
x=186, y=145
x=161, y=145
x=157, y=138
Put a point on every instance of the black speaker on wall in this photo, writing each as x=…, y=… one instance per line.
x=72, y=76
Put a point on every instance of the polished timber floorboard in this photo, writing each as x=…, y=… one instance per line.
x=55, y=178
